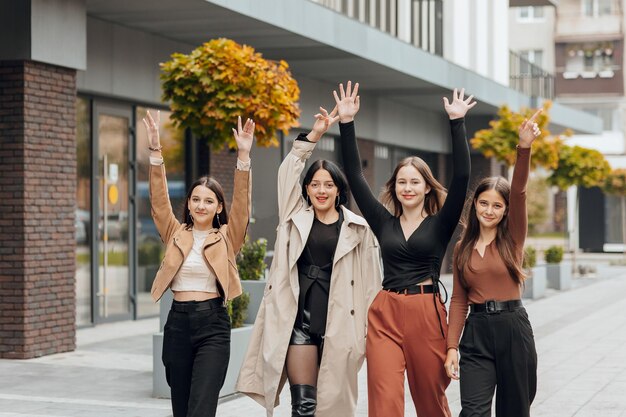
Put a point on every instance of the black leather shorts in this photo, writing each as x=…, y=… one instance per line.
x=301, y=334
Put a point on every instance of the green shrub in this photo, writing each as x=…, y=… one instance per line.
x=238, y=309
x=251, y=260
x=554, y=254
x=149, y=253
x=530, y=257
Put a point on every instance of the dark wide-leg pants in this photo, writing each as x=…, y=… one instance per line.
x=498, y=350
x=196, y=351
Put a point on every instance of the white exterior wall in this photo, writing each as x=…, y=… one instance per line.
x=536, y=34
x=476, y=37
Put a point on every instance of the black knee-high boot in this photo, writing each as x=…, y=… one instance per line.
x=303, y=400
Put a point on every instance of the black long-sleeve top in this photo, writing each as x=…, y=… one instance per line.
x=409, y=262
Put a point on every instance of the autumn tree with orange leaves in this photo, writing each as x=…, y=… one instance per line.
x=221, y=80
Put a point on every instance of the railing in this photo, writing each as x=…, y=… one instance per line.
x=418, y=22
x=528, y=78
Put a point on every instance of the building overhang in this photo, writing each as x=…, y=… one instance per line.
x=323, y=45
x=523, y=3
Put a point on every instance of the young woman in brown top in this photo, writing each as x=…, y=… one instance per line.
x=497, y=348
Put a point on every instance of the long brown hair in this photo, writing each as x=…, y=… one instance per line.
x=508, y=250
x=433, y=200
x=212, y=184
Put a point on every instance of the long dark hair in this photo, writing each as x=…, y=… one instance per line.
x=508, y=250
x=432, y=201
x=335, y=173
x=213, y=185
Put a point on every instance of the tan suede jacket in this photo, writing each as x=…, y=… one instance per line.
x=220, y=247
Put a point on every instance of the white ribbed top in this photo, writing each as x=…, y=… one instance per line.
x=195, y=274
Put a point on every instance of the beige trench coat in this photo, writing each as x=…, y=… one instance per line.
x=355, y=280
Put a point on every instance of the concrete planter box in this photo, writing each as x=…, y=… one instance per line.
x=535, y=285
x=240, y=338
x=256, y=289
x=559, y=276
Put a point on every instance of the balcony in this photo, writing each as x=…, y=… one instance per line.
x=418, y=22
x=589, y=68
x=529, y=79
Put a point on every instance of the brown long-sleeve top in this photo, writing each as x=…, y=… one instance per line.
x=489, y=279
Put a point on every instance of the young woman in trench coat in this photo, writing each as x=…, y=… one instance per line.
x=354, y=280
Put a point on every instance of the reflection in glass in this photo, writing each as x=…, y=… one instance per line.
x=149, y=246
x=82, y=220
x=113, y=271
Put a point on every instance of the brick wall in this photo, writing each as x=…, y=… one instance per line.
x=37, y=195
x=223, y=164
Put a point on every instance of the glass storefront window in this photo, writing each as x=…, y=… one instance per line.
x=149, y=246
x=82, y=221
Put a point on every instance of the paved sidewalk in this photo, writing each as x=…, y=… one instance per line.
x=580, y=337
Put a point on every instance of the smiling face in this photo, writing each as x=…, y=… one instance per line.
x=410, y=187
x=322, y=191
x=203, y=205
x=490, y=208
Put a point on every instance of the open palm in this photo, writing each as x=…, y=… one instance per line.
x=459, y=106
x=348, y=102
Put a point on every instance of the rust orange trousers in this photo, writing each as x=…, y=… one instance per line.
x=403, y=335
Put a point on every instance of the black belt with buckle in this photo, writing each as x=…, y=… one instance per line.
x=314, y=272
x=192, y=306
x=413, y=289
x=493, y=306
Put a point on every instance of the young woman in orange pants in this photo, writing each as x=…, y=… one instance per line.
x=414, y=224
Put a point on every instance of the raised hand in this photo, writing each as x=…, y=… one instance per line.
x=323, y=121
x=348, y=102
x=152, y=127
x=529, y=131
x=459, y=106
x=244, y=136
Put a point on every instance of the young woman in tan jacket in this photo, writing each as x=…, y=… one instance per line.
x=199, y=267
x=311, y=325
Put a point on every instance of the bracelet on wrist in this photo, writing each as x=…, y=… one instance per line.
x=155, y=149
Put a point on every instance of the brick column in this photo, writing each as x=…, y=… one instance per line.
x=223, y=164
x=37, y=198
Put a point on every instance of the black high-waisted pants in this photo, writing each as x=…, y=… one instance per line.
x=498, y=349
x=196, y=351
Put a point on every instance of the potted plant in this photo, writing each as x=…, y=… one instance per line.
x=243, y=309
x=239, y=338
x=535, y=283
x=251, y=266
x=148, y=261
x=559, y=274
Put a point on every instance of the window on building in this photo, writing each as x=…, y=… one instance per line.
x=82, y=221
x=595, y=8
x=529, y=59
x=149, y=246
x=530, y=13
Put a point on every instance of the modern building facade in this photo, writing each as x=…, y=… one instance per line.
x=580, y=44
x=78, y=246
